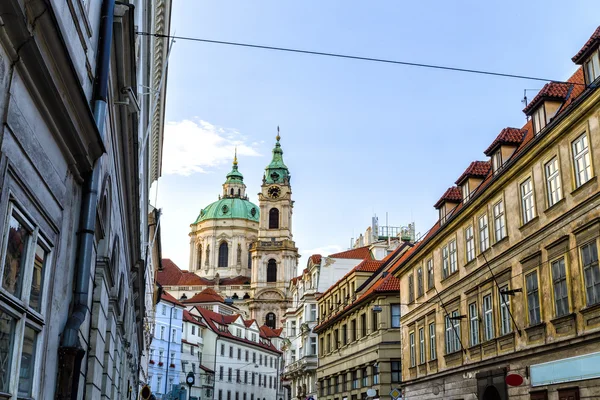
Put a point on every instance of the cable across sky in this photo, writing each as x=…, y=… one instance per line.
x=352, y=57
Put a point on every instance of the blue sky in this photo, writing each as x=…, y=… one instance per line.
x=359, y=138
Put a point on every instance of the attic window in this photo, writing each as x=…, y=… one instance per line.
x=497, y=161
x=592, y=68
x=539, y=119
x=465, y=191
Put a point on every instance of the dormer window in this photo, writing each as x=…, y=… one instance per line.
x=592, y=68
x=539, y=119
x=496, y=161
x=589, y=58
x=448, y=202
x=465, y=191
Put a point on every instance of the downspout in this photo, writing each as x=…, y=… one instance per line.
x=71, y=353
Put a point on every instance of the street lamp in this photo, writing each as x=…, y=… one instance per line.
x=190, y=379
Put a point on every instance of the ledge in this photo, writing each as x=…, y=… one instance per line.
x=536, y=332
x=529, y=223
x=591, y=315
x=565, y=324
x=504, y=239
x=592, y=180
x=555, y=206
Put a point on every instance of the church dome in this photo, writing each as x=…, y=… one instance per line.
x=230, y=207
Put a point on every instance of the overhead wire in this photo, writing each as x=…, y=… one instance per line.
x=353, y=57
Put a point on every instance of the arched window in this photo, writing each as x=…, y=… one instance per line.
x=274, y=218
x=231, y=191
x=199, y=263
x=272, y=271
x=270, y=320
x=239, y=192
x=223, y=255
x=249, y=257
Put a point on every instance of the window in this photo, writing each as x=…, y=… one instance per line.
x=230, y=351
x=430, y=281
x=484, y=234
x=365, y=377
x=238, y=378
x=221, y=373
x=363, y=324
x=173, y=335
x=247, y=355
x=488, y=318
x=432, y=343
x=344, y=334
x=592, y=67
x=245, y=376
x=421, y=345
x=335, y=339
x=274, y=218
x=496, y=161
x=553, y=185
x=328, y=342
x=591, y=272
x=254, y=358
x=313, y=312
x=473, y=324
x=559, y=283
x=465, y=191
x=581, y=160
x=533, y=299
x=527, y=201
x=313, y=346
x=413, y=361
x=272, y=270
x=222, y=349
x=223, y=255
x=270, y=320
x=192, y=350
x=469, y=244
x=505, y=319
x=375, y=370
x=411, y=288
x=160, y=355
x=420, y=288
x=249, y=258
x=159, y=383
x=229, y=374
x=353, y=330
x=162, y=332
x=164, y=310
x=193, y=330
x=395, y=315
x=452, y=333
x=253, y=377
x=539, y=119
x=499, y=221
x=453, y=263
x=445, y=261
x=292, y=328
x=239, y=353
x=396, y=371
x=355, y=379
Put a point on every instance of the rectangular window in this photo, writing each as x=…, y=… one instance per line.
x=533, y=298
x=499, y=221
x=465, y=191
x=322, y=347
x=430, y=281
x=221, y=373
x=496, y=161
x=527, y=201
x=238, y=377
x=539, y=119
x=505, y=320
x=363, y=324
x=592, y=67
x=413, y=361
x=313, y=312
x=292, y=328
x=473, y=324
x=375, y=370
x=374, y=321
x=488, y=318
x=581, y=160
x=223, y=350
x=559, y=284
x=344, y=334
x=239, y=354
x=230, y=351
x=355, y=379
x=329, y=342
x=484, y=233
x=353, y=330
x=452, y=333
x=229, y=374
x=432, y=342
x=445, y=261
x=396, y=371
x=411, y=288
x=245, y=376
x=553, y=184
x=247, y=355
x=420, y=286
x=365, y=377
x=421, y=345
x=313, y=346
x=591, y=272
x=395, y=315
x=453, y=261
x=220, y=394
x=469, y=244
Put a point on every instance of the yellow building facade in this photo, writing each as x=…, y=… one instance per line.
x=506, y=286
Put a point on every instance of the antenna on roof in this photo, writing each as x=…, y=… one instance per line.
x=524, y=101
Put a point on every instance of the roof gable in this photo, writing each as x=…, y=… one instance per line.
x=588, y=47
x=477, y=169
x=508, y=136
x=359, y=253
x=452, y=195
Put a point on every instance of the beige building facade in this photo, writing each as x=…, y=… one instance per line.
x=501, y=300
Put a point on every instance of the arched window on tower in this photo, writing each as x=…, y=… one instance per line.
x=199, y=261
x=239, y=192
x=270, y=320
x=249, y=256
x=223, y=255
x=272, y=271
x=231, y=191
x=274, y=218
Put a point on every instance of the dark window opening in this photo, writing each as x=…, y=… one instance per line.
x=223, y=255
x=272, y=271
x=274, y=218
x=270, y=320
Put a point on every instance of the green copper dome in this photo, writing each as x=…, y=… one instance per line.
x=231, y=207
x=277, y=171
x=235, y=176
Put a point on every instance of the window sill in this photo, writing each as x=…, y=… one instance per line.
x=590, y=308
x=554, y=206
x=562, y=318
x=529, y=223
x=455, y=273
x=504, y=239
x=580, y=188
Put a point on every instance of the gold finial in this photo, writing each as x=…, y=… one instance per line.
x=235, y=157
x=278, y=137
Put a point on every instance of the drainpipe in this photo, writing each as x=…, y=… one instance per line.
x=70, y=352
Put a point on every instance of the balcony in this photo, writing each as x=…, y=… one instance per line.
x=306, y=363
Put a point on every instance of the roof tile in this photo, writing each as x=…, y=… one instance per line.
x=590, y=45
x=477, y=169
x=452, y=195
x=553, y=91
x=360, y=253
x=509, y=136
x=208, y=295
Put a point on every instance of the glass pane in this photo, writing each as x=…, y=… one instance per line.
x=38, y=276
x=7, y=333
x=14, y=262
x=27, y=362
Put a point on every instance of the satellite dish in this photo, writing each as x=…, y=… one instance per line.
x=371, y=392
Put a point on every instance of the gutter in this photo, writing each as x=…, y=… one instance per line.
x=70, y=352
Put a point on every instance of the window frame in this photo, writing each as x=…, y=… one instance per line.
x=499, y=220
x=420, y=283
x=430, y=274
x=485, y=230
x=489, y=332
x=527, y=197
x=413, y=355
x=505, y=312
x=470, y=249
x=432, y=342
x=421, y=345
x=533, y=293
x=554, y=280
x=553, y=178
x=595, y=264
x=473, y=324
x=585, y=155
x=395, y=306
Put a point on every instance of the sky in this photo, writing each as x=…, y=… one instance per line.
x=360, y=138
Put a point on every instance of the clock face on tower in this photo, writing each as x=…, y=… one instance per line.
x=274, y=192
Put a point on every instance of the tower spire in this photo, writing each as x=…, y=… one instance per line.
x=278, y=137
x=235, y=162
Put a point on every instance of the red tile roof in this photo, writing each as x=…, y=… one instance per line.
x=206, y=369
x=188, y=317
x=166, y=296
x=359, y=253
x=509, y=136
x=172, y=275
x=315, y=258
x=452, y=195
x=550, y=91
x=477, y=169
x=190, y=343
x=588, y=47
x=238, y=280
x=208, y=295
x=249, y=322
x=270, y=333
x=368, y=266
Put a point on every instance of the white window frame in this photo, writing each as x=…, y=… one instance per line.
x=488, y=317
x=539, y=118
x=592, y=67
x=499, y=221
x=553, y=182
x=581, y=160
x=533, y=298
x=473, y=324
x=432, y=342
x=413, y=357
x=445, y=262
x=430, y=274
x=505, y=320
x=469, y=243
x=453, y=257
x=496, y=161
x=484, y=233
x=527, y=200
x=421, y=346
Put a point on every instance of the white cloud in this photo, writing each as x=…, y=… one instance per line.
x=198, y=146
